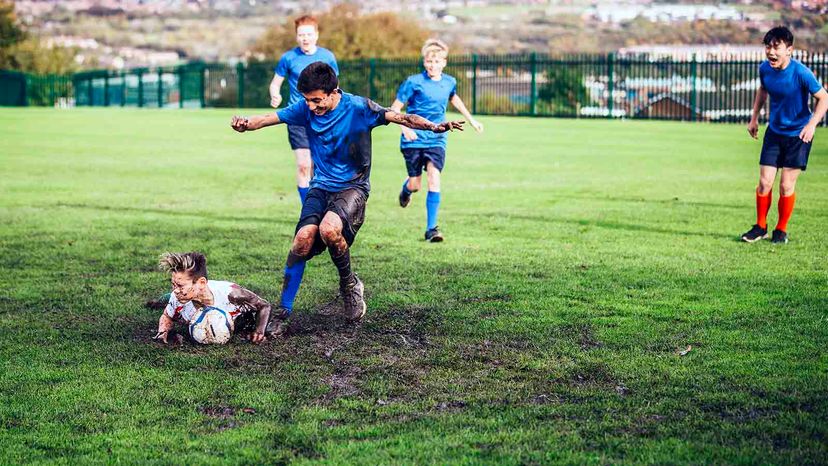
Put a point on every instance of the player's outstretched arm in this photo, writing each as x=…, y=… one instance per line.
x=165, y=324
x=407, y=133
x=457, y=102
x=250, y=301
x=275, y=86
x=242, y=124
x=417, y=122
x=807, y=133
x=758, y=103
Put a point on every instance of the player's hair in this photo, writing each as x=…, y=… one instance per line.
x=435, y=46
x=318, y=76
x=305, y=20
x=194, y=263
x=777, y=35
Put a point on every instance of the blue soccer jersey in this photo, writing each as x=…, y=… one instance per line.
x=294, y=61
x=340, y=141
x=790, y=91
x=429, y=99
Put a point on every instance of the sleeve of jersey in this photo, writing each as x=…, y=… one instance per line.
x=333, y=64
x=762, y=77
x=173, y=309
x=405, y=91
x=810, y=81
x=453, y=89
x=374, y=114
x=296, y=114
x=282, y=67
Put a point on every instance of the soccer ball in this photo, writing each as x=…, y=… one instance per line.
x=211, y=326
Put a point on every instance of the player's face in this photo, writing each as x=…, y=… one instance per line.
x=184, y=287
x=306, y=37
x=434, y=64
x=319, y=102
x=778, y=54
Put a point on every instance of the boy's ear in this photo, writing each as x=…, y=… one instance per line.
x=202, y=280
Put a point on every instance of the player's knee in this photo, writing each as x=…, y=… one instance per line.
x=764, y=186
x=330, y=232
x=415, y=184
x=304, y=167
x=303, y=241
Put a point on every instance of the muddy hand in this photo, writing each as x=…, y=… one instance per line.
x=449, y=126
x=239, y=124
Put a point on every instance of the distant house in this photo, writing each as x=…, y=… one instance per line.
x=669, y=107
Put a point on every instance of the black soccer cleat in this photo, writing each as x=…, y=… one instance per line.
x=434, y=235
x=755, y=234
x=405, y=199
x=779, y=237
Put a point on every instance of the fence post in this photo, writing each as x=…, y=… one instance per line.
x=533, y=64
x=181, y=75
x=474, y=83
x=106, y=89
x=240, y=86
x=160, y=87
x=693, y=73
x=140, y=73
x=610, y=82
x=372, y=69
x=89, y=90
x=123, y=89
x=202, y=82
x=25, y=90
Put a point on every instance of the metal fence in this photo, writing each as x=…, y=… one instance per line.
x=692, y=88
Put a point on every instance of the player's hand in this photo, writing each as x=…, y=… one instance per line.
x=807, y=133
x=753, y=128
x=275, y=101
x=448, y=126
x=162, y=337
x=409, y=134
x=478, y=126
x=239, y=124
x=257, y=338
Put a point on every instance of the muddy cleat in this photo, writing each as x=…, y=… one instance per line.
x=352, y=297
x=434, y=235
x=405, y=199
x=278, y=324
x=779, y=237
x=755, y=234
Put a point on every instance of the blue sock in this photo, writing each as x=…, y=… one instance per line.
x=303, y=193
x=294, y=269
x=432, y=207
x=405, y=188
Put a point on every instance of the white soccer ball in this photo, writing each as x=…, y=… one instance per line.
x=211, y=326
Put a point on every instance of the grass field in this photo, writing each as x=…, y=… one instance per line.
x=581, y=258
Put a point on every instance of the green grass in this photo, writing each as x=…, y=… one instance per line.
x=581, y=257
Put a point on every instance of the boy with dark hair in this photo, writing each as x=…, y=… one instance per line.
x=192, y=291
x=339, y=127
x=791, y=126
x=289, y=67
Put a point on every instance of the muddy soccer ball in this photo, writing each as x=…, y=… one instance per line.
x=211, y=326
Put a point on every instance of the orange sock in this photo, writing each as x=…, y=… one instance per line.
x=786, y=205
x=763, y=204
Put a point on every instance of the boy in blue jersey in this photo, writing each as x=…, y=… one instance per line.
x=339, y=127
x=791, y=126
x=428, y=94
x=290, y=66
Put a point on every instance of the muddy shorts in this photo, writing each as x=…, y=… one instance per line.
x=348, y=204
x=298, y=137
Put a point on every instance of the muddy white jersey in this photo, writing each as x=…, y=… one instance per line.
x=221, y=299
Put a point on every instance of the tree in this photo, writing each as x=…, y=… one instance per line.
x=10, y=32
x=564, y=91
x=350, y=34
